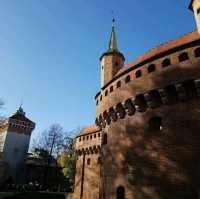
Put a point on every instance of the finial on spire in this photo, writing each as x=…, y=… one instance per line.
x=113, y=22
x=20, y=110
x=113, y=42
x=21, y=104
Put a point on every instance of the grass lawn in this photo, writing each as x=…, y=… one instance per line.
x=36, y=196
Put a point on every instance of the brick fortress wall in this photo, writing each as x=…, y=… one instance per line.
x=151, y=120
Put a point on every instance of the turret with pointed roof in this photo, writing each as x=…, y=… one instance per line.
x=112, y=60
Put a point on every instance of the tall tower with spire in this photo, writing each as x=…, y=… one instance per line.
x=14, y=142
x=195, y=8
x=112, y=60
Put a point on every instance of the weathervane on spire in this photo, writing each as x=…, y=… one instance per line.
x=20, y=110
x=113, y=42
x=21, y=104
x=113, y=19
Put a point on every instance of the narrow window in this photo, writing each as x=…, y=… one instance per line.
x=198, y=11
x=190, y=89
x=87, y=137
x=127, y=79
x=95, y=135
x=79, y=139
x=197, y=52
x=138, y=73
x=183, y=57
x=120, y=193
x=99, y=160
x=90, y=136
x=155, y=124
x=151, y=68
x=140, y=103
x=166, y=62
x=84, y=138
x=118, y=84
x=105, y=139
x=88, y=161
x=99, y=135
x=155, y=99
x=101, y=98
x=106, y=93
x=102, y=67
x=171, y=94
x=97, y=102
x=116, y=64
x=111, y=89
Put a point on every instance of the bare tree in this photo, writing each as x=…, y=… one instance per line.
x=52, y=140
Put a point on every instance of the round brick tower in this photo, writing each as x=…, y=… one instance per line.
x=149, y=113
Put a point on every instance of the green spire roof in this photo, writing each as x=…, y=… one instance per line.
x=113, y=42
x=112, y=48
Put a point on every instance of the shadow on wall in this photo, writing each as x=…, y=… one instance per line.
x=163, y=163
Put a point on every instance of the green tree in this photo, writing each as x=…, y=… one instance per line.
x=67, y=160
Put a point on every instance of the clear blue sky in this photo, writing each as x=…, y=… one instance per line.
x=50, y=49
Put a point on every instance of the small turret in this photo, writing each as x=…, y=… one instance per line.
x=195, y=8
x=112, y=60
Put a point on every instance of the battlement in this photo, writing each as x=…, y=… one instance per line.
x=89, y=140
x=170, y=95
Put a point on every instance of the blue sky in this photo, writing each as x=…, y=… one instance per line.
x=50, y=49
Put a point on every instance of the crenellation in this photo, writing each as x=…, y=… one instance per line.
x=152, y=99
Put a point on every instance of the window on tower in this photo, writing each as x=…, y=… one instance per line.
x=197, y=52
x=88, y=161
x=155, y=124
x=183, y=57
x=118, y=84
x=198, y=11
x=138, y=73
x=106, y=93
x=111, y=89
x=120, y=192
x=127, y=79
x=99, y=160
x=151, y=68
x=105, y=139
x=166, y=62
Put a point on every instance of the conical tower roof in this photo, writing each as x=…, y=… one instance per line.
x=112, y=47
x=113, y=41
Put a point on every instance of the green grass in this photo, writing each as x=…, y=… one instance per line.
x=36, y=196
